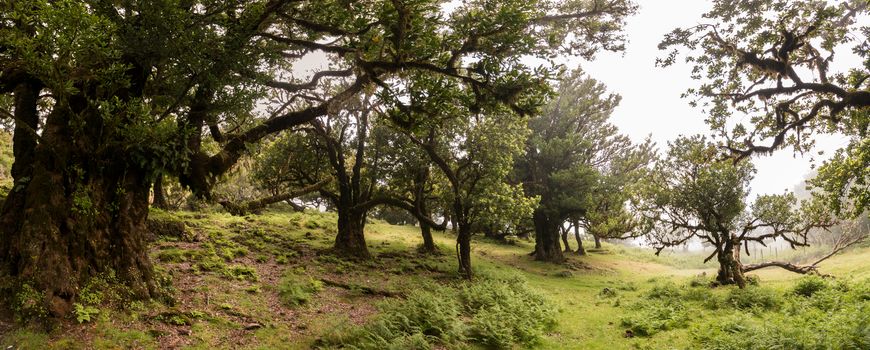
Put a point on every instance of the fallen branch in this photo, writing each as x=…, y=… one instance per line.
x=256, y=205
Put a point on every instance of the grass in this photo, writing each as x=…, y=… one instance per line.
x=259, y=282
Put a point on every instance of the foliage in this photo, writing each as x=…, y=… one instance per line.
x=578, y=162
x=692, y=195
x=666, y=291
x=83, y=313
x=506, y=312
x=768, y=81
x=494, y=312
x=806, y=323
x=753, y=298
x=6, y=160
x=296, y=290
x=653, y=316
x=809, y=285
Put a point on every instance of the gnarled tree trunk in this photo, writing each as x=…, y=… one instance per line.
x=730, y=270
x=547, y=246
x=350, y=240
x=597, y=241
x=73, y=213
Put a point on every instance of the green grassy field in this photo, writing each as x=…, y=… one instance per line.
x=269, y=282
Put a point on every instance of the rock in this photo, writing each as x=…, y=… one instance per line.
x=253, y=326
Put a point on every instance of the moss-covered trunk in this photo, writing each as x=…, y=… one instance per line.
x=547, y=247
x=350, y=240
x=730, y=269
x=72, y=214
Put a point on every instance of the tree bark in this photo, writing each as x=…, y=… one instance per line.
x=428, y=246
x=730, y=269
x=597, y=241
x=547, y=246
x=580, y=249
x=72, y=213
x=160, y=201
x=463, y=244
x=350, y=240
x=565, y=239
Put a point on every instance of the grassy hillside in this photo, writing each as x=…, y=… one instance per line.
x=269, y=282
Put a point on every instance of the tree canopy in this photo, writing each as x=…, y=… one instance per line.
x=774, y=62
x=691, y=195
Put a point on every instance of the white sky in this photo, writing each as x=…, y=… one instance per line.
x=651, y=103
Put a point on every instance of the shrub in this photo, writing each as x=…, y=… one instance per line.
x=699, y=281
x=493, y=312
x=295, y=290
x=701, y=294
x=653, y=316
x=664, y=292
x=809, y=285
x=753, y=298
x=832, y=318
x=505, y=312
x=431, y=314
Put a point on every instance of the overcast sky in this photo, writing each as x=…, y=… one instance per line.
x=651, y=102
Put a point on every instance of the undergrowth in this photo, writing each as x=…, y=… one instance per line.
x=495, y=312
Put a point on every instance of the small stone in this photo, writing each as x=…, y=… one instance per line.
x=253, y=326
x=185, y=332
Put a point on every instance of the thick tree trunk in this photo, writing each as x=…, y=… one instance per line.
x=160, y=194
x=730, y=270
x=597, y=241
x=71, y=215
x=350, y=240
x=580, y=249
x=428, y=246
x=547, y=246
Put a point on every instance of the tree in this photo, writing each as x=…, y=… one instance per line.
x=607, y=213
x=475, y=155
x=772, y=61
x=571, y=149
x=691, y=195
x=359, y=173
x=411, y=184
x=109, y=94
